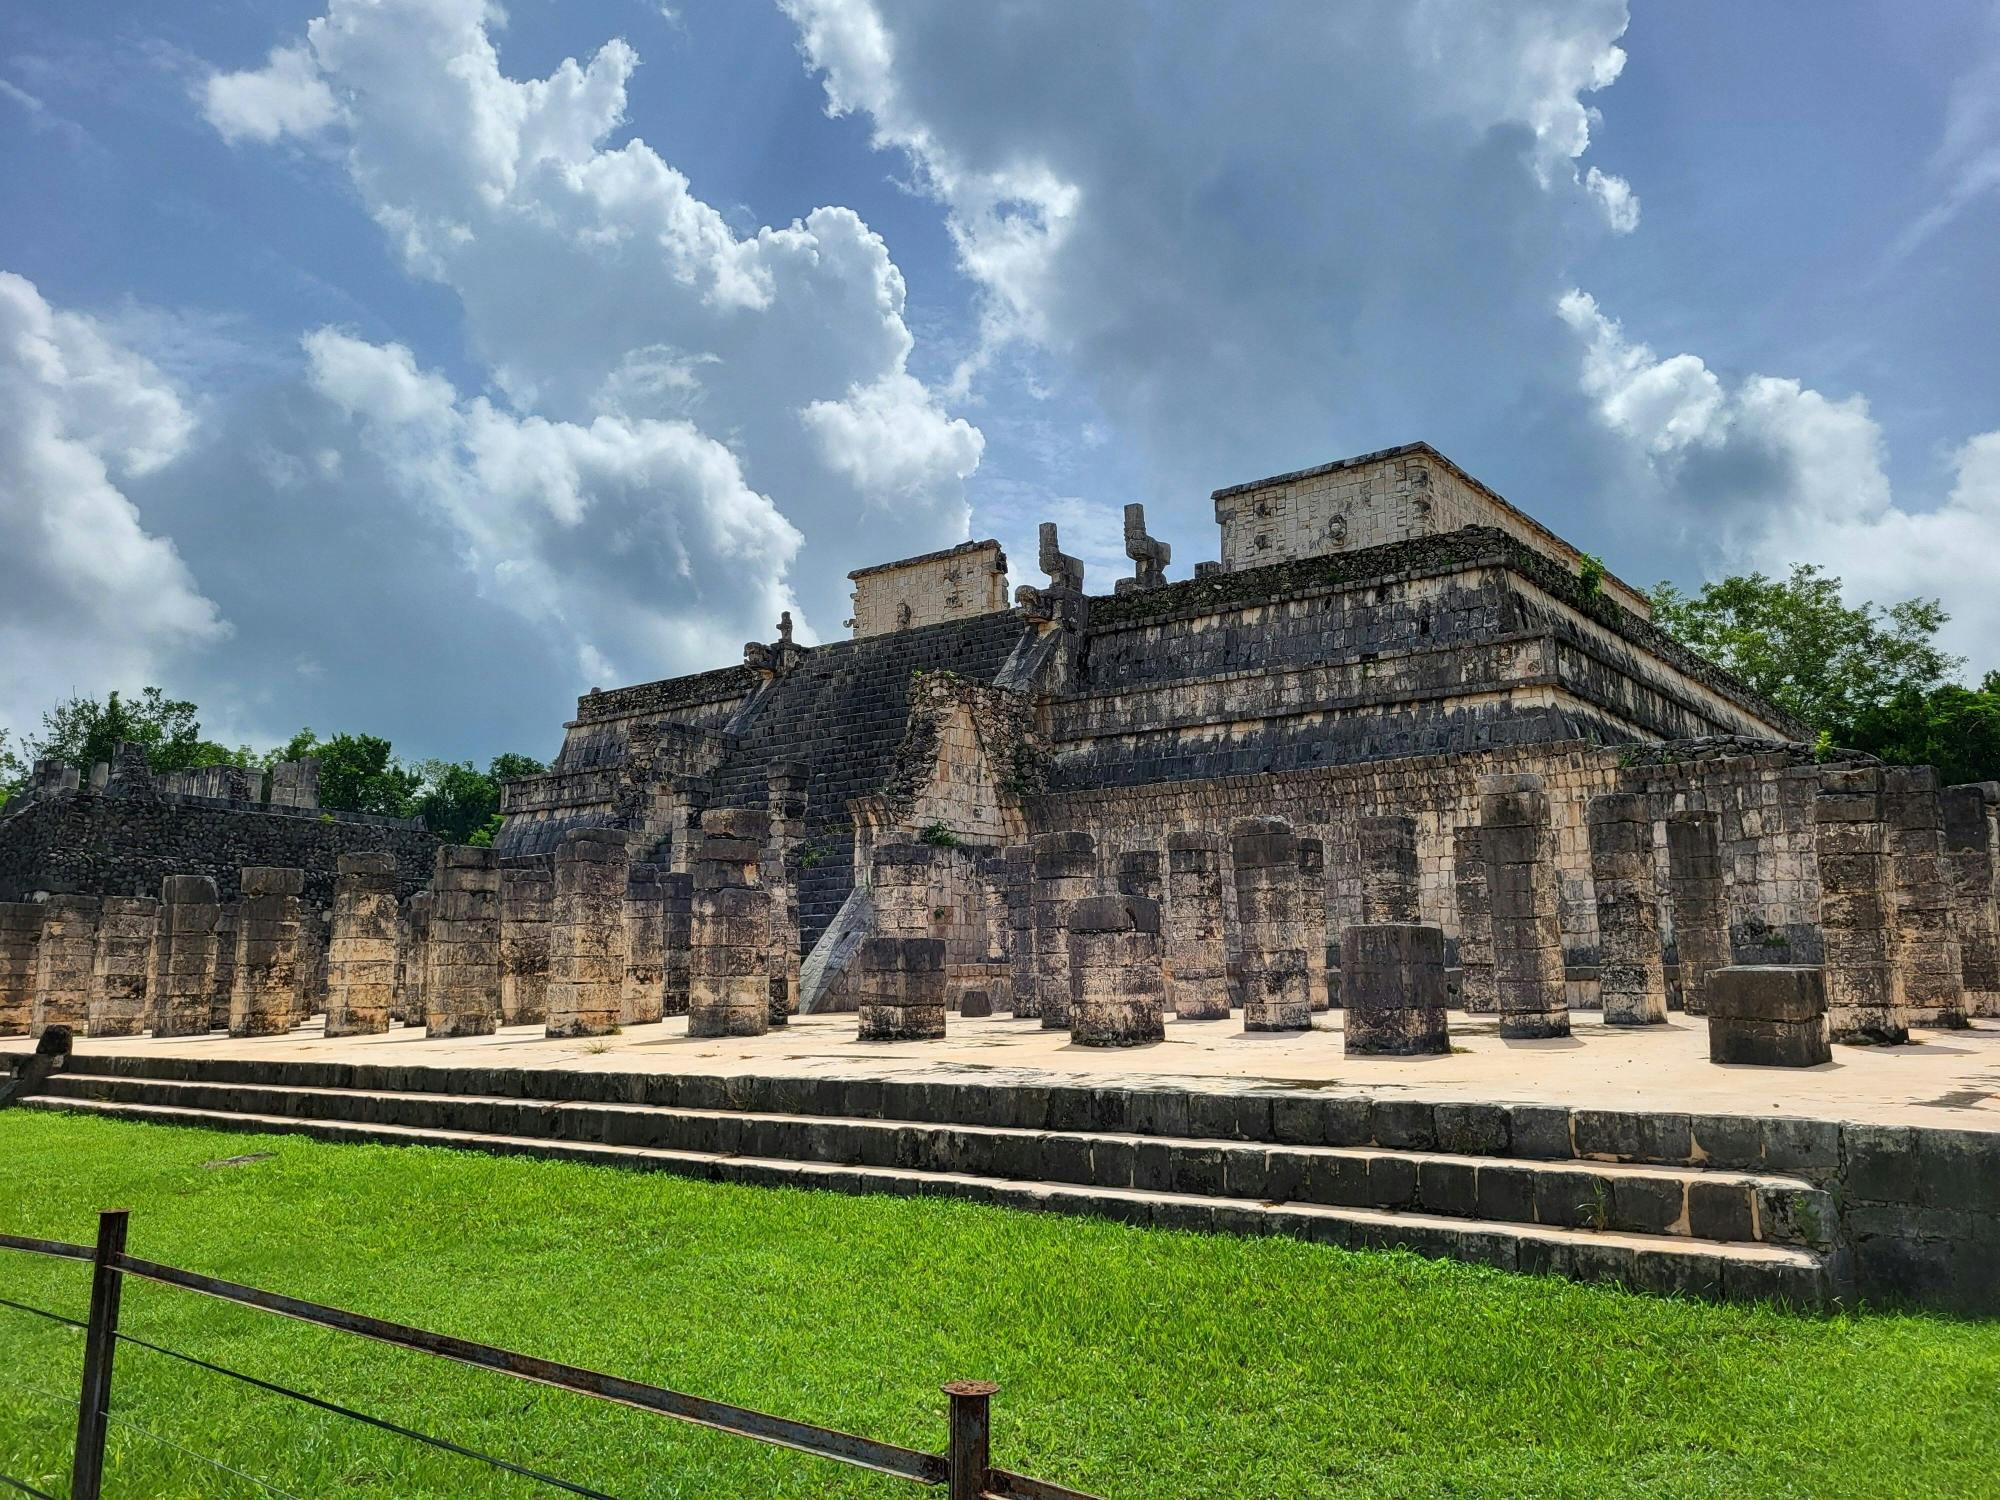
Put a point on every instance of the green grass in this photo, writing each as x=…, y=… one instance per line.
x=1130, y=1362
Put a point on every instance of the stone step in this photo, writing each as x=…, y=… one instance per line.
x=1683, y=1202
x=1664, y=1264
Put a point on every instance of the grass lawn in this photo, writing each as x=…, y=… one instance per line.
x=1131, y=1362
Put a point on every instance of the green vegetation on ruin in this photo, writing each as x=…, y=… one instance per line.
x=1134, y=1362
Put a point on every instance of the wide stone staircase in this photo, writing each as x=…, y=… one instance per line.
x=1640, y=1200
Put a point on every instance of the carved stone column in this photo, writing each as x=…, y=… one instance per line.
x=266, y=983
x=361, y=953
x=1269, y=977
x=587, y=933
x=1854, y=908
x=1065, y=872
x=729, y=977
x=1527, y=931
x=643, y=998
x=1701, y=914
x=1631, y=975
x=1117, y=986
x=1930, y=977
x=1392, y=990
x=119, y=973
x=527, y=894
x=184, y=956
x=1475, y=923
x=1972, y=855
x=1197, y=927
x=462, y=987
x=20, y=936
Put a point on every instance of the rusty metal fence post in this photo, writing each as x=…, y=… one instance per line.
x=100, y=1344
x=967, y=1458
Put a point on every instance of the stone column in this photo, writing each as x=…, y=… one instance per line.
x=462, y=978
x=1269, y=977
x=1930, y=977
x=1972, y=854
x=644, y=996
x=1141, y=873
x=1117, y=985
x=266, y=983
x=1854, y=908
x=1312, y=920
x=315, y=936
x=1386, y=847
x=902, y=989
x=1196, y=935
x=676, y=919
x=361, y=953
x=413, y=957
x=785, y=783
x=1065, y=872
x=903, y=880
x=184, y=956
x=1770, y=1015
x=1018, y=887
x=999, y=982
x=587, y=933
x=1392, y=990
x=1631, y=975
x=729, y=979
x=65, y=956
x=527, y=890
x=1475, y=922
x=1527, y=931
x=1700, y=908
x=221, y=992
x=20, y=936
x=118, y=973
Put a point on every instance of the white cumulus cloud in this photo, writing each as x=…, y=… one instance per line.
x=284, y=97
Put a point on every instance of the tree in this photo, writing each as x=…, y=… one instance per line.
x=13, y=771
x=84, y=732
x=1799, y=645
x=1956, y=729
x=461, y=803
x=357, y=773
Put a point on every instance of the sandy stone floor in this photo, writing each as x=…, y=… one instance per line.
x=1943, y=1078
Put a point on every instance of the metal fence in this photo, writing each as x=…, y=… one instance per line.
x=964, y=1469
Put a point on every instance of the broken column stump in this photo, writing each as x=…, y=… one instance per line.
x=1268, y=977
x=1196, y=936
x=1771, y=1015
x=361, y=952
x=902, y=989
x=586, y=933
x=1117, y=986
x=1392, y=990
x=265, y=986
x=1521, y=886
x=1631, y=973
x=184, y=956
x=462, y=982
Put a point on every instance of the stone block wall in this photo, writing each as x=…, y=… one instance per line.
x=969, y=579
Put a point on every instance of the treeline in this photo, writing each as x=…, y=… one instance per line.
x=357, y=772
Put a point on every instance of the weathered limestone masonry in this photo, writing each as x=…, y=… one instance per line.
x=998, y=984
x=1312, y=921
x=1772, y=1015
x=587, y=933
x=1268, y=974
x=1117, y=987
x=1386, y=846
x=1527, y=935
x=1392, y=990
x=786, y=784
x=315, y=941
x=221, y=993
x=1475, y=922
x=527, y=891
x=1631, y=978
x=264, y=993
x=963, y=581
x=1972, y=853
x=413, y=959
x=1140, y=873
x=1701, y=913
x=20, y=932
x=1196, y=944
x=462, y=979
x=1930, y=980
x=902, y=989
x=729, y=978
x=361, y=953
x=119, y=974
x=65, y=957
x=1854, y=910
x=1018, y=887
x=1065, y=873
x=676, y=920
x=183, y=981
x=644, y=996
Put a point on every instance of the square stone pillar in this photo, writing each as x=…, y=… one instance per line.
x=315, y=939
x=1065, y=872
x=1196, y=937
x=786, y=783
x=676, y=937
x=20, y=936
x=265, y=988
x=1475, y=922
x=902, y=989
x=222, y=992
x=587, y=933
x=1631, y=975
x=1142, y=873
x=999, y=981
x=1930, y=978
x=462, y=982
x=527, y=892
x=1269, y=975
x=1773, y=1016
x=361, y=953
x=1312, y=920
x=1700, y=905
x=184, y=956
x=1117, y=984
x=1386, y=846
x=1017, y=886
x=121, y=969
x=1972, y=857
x=730, y=975
x=413, y=959
x=65, y=956
x=1854, y=917
x=1392, y=990
x=903, y=879
x=1521, y=885
x=643, y=998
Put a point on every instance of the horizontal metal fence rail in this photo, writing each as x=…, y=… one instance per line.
x=964, y=1470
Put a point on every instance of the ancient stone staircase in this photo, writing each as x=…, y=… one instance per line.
x=1526, y=1188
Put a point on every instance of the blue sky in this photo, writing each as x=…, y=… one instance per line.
x=412, y=366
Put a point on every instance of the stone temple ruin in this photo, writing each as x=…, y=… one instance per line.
x=1401, y=754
